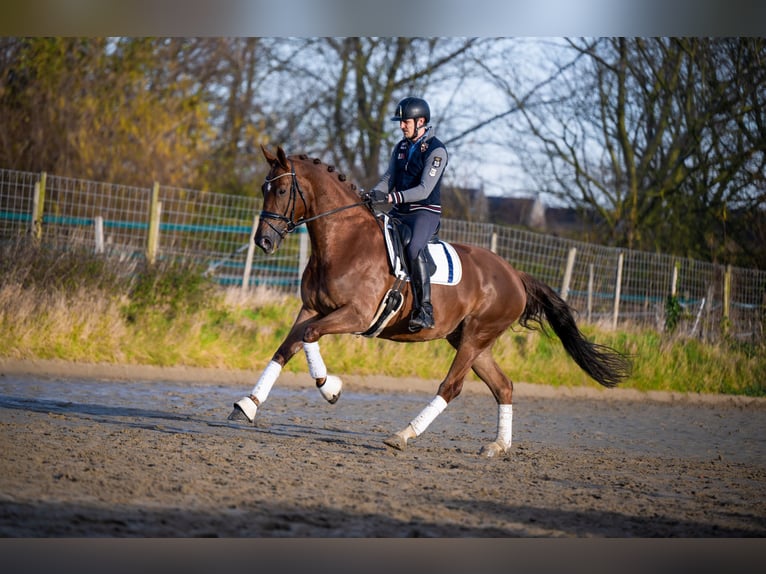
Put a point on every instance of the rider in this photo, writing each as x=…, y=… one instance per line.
x=412, y=185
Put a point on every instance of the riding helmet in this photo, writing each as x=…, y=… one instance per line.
x=412, y=108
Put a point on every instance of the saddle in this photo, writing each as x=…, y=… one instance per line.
x=443, y=266
x=398, y=237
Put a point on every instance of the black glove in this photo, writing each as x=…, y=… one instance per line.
x=378, y=196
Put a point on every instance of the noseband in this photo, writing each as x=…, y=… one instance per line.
x=295, y=192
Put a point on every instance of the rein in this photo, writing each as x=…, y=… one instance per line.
x=295, y=192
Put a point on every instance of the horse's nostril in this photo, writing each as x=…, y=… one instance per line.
x=265, y=244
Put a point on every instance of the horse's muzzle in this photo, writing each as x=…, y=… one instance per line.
x=268, y=236
x=266, y=244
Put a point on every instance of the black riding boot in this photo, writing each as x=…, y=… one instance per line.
x=420, y=281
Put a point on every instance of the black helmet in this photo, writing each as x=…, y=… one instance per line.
x=412, y=108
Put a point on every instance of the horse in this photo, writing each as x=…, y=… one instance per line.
x=349, y=273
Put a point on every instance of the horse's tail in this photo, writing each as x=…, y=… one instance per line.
x=604, y=364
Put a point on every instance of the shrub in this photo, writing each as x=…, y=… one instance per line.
x=169, y=287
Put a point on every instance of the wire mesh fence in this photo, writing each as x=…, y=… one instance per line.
x=604, y=284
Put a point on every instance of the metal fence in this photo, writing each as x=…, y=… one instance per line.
x=605, y=284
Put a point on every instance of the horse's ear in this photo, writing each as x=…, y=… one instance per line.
x=282, y=157
x=270, y=157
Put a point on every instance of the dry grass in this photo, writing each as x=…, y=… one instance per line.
x=81, y=326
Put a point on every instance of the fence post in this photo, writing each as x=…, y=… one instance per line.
x=152, y=240
x=249, y=258
x=726, y=298
x=38, y=207
x=674, y=281
x=568, y=273
x=617, y=291
x=493, y=242
x=590, y=292
x=98, y=222
x=303, y=255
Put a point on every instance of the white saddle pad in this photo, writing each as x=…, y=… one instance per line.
x=449, y=270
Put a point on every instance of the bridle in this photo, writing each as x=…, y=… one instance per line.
x=295, y=193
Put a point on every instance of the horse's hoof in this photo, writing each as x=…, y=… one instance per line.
x=396, y=441
x=238, y=415
x=244, y=410
x=331, y=388
x=492, y=450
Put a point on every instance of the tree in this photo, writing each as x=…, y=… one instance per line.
x=108, y=109
x=663, y=138
x=348, y=88
x=233, y=75
x=192, y=111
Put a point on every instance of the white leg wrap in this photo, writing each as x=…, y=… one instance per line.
x=504, y=424
x=317, y=368
x=427, y=415
x=331, y=388
x=268, y=378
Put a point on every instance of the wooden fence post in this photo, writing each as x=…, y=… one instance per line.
x=303, y=254
x=568, y=273
x=98, y=223
x=674, y=281
x=38, y=207
x=726, y=298
x=590, y=292
x=155, y=211
x=617, y=291
x=249, y=257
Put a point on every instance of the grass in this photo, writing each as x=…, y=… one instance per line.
x=74, y=306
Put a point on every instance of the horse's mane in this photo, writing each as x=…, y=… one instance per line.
x=331, y=169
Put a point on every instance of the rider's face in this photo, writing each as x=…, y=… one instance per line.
x=410, y=127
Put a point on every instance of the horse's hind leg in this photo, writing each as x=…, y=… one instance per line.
x=501, y=386
x=484, y=365
x=449, y=389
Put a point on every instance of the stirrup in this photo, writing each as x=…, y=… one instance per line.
x=421, y=320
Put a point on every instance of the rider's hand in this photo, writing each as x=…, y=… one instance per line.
x=378, y=196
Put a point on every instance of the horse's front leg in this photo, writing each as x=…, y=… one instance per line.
x=347, y=319
x=329, y=386
x=246, y=408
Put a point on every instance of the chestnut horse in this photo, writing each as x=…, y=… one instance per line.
x=348, y=275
